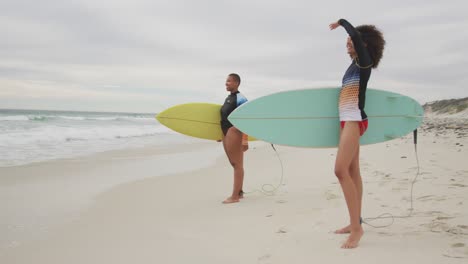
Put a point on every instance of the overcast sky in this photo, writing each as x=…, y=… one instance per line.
x=147, y=55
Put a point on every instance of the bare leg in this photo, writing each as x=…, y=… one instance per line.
x=347, y=151
x=357, y=180
x=233, y=147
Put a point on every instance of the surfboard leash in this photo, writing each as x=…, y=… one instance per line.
x=411, y=209
x=268, y=188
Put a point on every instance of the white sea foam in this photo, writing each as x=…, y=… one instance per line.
x=29, y=136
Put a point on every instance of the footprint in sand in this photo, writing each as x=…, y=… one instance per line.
x=459, y=230
x=444, y=218
x=437, y=226
x=264, y=258
x=399, y=189
x=457, y=250
x=441, y=198
x=458, y=245
x=379, y=173
x=282, y=230
x=329, y=195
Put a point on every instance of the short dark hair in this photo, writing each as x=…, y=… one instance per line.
x=236, y=77
x=375, y=41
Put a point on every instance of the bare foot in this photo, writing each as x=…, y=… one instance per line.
x=344, y=230
x=231, y=200
x=353, y=239
x=241, y=195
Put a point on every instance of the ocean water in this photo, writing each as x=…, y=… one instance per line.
x=32, y=208
x=28, y=136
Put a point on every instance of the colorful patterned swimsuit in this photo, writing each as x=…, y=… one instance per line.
x=353, y=92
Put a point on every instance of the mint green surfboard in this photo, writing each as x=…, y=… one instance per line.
x=309, y=118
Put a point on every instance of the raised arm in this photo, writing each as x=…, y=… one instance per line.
x=359, y=46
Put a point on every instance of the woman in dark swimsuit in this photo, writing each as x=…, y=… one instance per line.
x=234, y=141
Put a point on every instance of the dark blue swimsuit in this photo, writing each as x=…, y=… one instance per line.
x=230, y=104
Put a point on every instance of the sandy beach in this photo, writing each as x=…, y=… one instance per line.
x=163, y=205
x=110, y=112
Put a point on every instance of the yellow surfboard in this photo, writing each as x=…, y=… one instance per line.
x=200, y=120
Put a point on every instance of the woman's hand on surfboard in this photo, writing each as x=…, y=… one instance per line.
x=334, y=25
x=245, y=148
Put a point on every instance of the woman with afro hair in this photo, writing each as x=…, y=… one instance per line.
x=365, y=46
